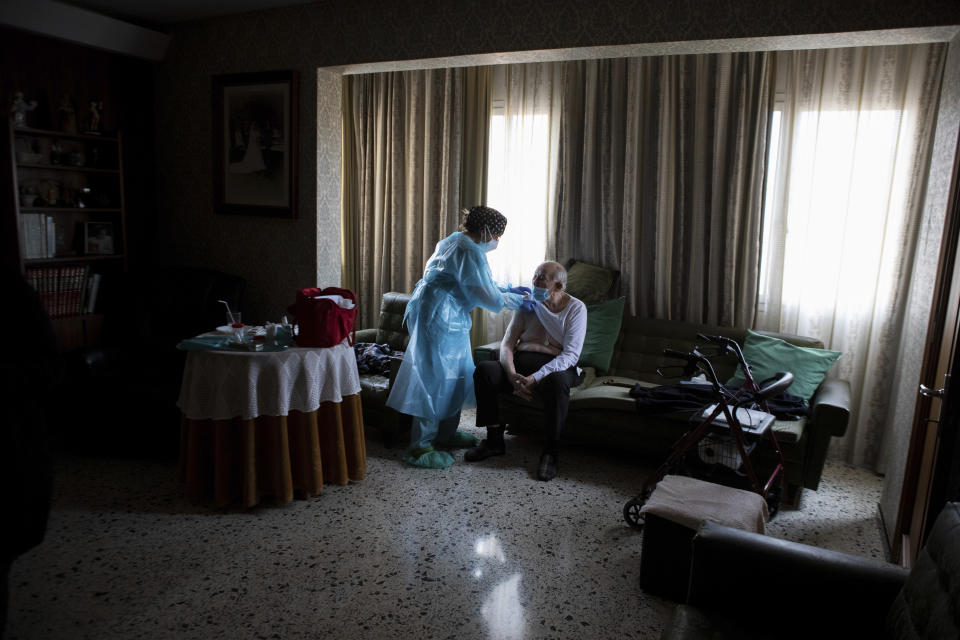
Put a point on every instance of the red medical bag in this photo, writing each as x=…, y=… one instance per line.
x=322, y=322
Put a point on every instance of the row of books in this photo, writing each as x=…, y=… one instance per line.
x=38, y=236
x=65, y=290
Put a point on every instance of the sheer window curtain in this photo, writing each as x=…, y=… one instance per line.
x=848, y=171
x=403, y=163
x=524, y=133
x=662, y=164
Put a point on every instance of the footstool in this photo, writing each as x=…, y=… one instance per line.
x=673, y=513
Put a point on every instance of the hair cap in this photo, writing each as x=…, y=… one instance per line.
x=480, y=217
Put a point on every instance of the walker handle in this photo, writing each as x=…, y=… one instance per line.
x=726, y=344
x=716, y=339
x=780, y=382
x=679, y=355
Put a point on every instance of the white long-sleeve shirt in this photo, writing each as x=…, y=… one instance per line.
x=559, y=334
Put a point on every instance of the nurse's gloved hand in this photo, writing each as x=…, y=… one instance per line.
x=524, y=291
x=528, y=305
x=512, y=300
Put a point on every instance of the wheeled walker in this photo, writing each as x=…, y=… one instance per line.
x=726, y=434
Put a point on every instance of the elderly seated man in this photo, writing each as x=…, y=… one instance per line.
x=538, y=355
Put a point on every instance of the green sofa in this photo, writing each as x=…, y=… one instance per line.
x=603, y=414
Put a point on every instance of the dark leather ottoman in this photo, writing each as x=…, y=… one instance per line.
x=675, y=510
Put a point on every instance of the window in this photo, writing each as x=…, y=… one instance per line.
x=521, y=169
x=837, y=206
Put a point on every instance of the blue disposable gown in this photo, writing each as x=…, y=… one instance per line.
x=436, y=377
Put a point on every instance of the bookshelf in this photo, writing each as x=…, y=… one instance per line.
x=65, y=191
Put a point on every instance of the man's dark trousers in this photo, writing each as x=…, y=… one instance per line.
x=490, y=380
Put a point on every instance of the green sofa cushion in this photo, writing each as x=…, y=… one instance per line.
x=767, y=356
x=603, y=328
x=590, y=283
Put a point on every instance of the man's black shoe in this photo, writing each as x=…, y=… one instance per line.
x=484, y=450
x=548, y=467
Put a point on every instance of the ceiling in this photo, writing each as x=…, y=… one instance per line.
x=156, y=13
x=141, y=28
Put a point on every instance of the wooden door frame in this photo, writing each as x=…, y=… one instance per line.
x=945, y=477
x=943, y=309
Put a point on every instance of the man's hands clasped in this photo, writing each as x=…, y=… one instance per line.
x=523, y=386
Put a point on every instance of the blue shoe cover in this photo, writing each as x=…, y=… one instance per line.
x=460, y=440
x=429, y=459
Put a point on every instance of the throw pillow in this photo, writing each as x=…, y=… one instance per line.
x=589, y=282
x=603, y=328
x=768, y=356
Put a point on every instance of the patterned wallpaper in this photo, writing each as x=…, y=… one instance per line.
x=278, y=256
x=329, y=87
x=910, y=362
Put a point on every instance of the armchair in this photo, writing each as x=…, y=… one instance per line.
x=375, y=388
x=745, y=585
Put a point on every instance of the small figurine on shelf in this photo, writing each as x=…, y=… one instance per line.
x=94, y=117
x=53, y=194
x=28, y=194
x=68, y=197
x=19, y=108
x=67, y=116
x=49, y=194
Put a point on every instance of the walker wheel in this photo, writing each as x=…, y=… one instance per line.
x=631, y=511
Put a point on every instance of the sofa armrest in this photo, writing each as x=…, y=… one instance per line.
x=829, y=417
x=366, y=335
x=830, y=406
x=733, y=571
x=489, y=351
x=395, y=362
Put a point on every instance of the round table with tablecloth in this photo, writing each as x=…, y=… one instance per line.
x=270, y=424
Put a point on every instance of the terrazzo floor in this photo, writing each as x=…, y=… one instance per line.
x=482, y=550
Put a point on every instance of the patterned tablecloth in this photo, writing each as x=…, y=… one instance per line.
x=220, y=385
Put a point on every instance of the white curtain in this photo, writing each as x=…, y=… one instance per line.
x=524, y=130
x=850, y=149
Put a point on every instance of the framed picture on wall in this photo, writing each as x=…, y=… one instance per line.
x=255, y=143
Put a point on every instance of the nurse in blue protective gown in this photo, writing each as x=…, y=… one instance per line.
x=436, y=377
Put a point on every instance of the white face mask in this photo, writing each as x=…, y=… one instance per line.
x=485, y=244
x=489, y=246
